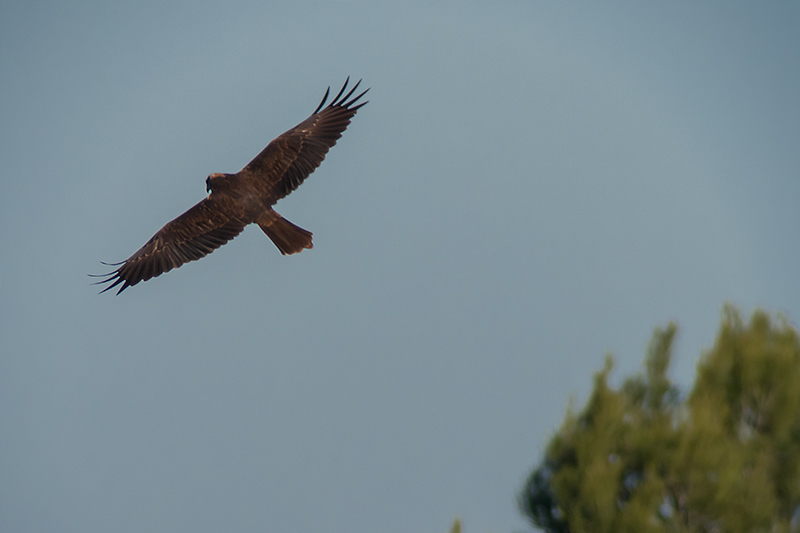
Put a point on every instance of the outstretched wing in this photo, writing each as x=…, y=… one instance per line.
x=195, y=234
x=283, y=165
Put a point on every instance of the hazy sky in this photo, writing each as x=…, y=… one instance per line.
x=532, y=185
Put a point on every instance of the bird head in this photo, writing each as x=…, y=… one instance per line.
x=212, y=181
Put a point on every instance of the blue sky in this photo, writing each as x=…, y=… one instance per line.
x=532, y=185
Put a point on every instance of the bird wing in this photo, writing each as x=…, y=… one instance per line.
x=195, y=234
x=288, y=160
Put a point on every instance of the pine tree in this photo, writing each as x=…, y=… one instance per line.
x=726, y=458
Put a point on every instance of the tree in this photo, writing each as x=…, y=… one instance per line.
x=643, y=458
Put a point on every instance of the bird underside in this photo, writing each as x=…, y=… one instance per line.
x=236, y=200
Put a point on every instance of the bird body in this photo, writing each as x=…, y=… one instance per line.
x=247, y=197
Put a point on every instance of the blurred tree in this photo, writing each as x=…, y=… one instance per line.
x=642, y=459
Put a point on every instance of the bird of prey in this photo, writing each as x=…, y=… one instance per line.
x=236, y=200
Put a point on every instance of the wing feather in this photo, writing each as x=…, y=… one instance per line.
x=289, y=159
x=195, y=234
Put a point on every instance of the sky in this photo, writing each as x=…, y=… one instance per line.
x=531, y=186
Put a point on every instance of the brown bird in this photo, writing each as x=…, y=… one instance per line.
x=236, y=200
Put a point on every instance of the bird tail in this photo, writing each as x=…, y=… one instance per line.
x=289, y=239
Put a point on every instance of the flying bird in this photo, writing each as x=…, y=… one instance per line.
x=236, y=200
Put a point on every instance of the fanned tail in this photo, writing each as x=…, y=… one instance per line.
x=289, y=239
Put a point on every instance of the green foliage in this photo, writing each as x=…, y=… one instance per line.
x=641, y=459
